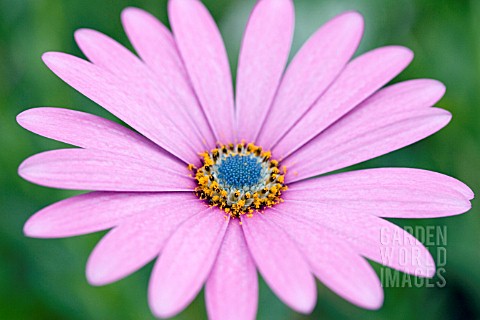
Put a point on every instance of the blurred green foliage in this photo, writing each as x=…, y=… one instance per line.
x=44, y=279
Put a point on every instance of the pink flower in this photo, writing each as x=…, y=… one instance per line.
x=216, y=218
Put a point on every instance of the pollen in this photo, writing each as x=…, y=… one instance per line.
x=239, y=179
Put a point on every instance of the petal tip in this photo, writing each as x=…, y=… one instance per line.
x=466, y=205
x=354, y=17
x=446, y=116
x=441, y=116
x=23, y=117
x=370, y=300
x=427, y=269
x=23, y=169
x=439, y=87
x=374, y=305
x=82, y=34
x=131, y=13
x=407, y=53
x=53, y=58
x=28, y=169
x=32, y=228
x=399, y=52
x=159, y=309
x=95, y=279
x=49, y=57
x=469, y=194
x=30, y=118
x=352, y=21
x=305, y=301
x=96, y=276
x=373, y=299
x=430, y=272
x=38, y=226
x=85, y=37
x=306, y=305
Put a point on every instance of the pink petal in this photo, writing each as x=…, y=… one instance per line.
x=173, y=95
x=333, y=261
x=353, y=140
x=313, y=69
x=94, y=212
x=370, y=236
x=360, y=79
x=139, y=239
x=82, y=169
x=108, y=54
x=389, y=192
x=281, y=264
x=156, y=46
x=265, y=47
x=387, y=105
x=83, y=130
x=140, y=103
x=154, y=43
x=231, y=291
x=186, y=262
x=203, y=52
x=403, y=96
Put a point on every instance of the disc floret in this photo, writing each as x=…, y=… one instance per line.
x=239, y=179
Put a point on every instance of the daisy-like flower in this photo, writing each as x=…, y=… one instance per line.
x=217, y=187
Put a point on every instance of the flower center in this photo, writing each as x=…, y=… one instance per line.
x=239, y=179
x=239, y=171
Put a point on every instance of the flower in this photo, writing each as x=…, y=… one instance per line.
x=217, y=192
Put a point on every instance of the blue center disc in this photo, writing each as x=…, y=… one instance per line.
x=239, y=171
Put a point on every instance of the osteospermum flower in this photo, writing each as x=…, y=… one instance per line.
x=217, y=186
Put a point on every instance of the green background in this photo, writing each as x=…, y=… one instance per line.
x=44, y=279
